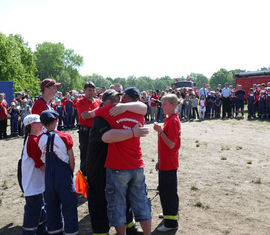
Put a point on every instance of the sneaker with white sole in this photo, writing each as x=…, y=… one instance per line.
x=163, y=228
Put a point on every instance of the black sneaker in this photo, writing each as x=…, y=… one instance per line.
x=134, y=230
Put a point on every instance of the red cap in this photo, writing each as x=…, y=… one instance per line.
x=47, y=82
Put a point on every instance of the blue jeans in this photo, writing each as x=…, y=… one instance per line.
x=122, y=185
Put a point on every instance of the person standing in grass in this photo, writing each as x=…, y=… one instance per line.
x=169, y=142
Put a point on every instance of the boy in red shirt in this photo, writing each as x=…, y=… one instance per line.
x=168, y=151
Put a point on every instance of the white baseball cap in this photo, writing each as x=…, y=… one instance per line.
x=31, y=118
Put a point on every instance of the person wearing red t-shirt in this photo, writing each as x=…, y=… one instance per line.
x=3, y=116
x=168, y=151
x=84, y=105
x=153, y=106
x=48, y=89
x=125, y=175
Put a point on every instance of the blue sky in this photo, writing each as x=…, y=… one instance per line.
x=147, y=37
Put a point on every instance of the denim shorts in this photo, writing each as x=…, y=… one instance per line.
x=124, y=186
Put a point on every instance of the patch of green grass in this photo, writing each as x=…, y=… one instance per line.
x=225, y=147
x=201, y=205
x=4, y=185
x=194, y=188
x=249, y=162
x=151, y=171
x=198, y=145
x=22, y=195
x=257, y=181
x=153, y=160
x=204, y=143
x=223, y=158
x=239, y=147
x=226, y=232
x=198, y=204
x=196, y=141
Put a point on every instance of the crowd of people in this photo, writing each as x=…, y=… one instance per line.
x=201, y=104
x=111, y=123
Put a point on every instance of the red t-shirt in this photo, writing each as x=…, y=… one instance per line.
x=153, y=104
x=86, y=105
x=39, y=106
x=3, y=110
x=168, y=158
x=34, y=151
x=127, y=154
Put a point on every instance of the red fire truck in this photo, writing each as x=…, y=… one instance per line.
x=247, y=79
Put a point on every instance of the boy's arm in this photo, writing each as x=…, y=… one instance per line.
x=118, y=135
x=134, y=107
x=71, y=159
x=164, y=137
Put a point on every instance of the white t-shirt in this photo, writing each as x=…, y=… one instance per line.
x=33, y=179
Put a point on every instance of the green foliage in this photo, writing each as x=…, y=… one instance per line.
x=222, y=76
x=55, y=61
x=199, y=79
x=17, y=64
x=142, y=83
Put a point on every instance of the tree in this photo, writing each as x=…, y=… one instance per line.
x=17, y=64
x=98, y=80
x=55, y=61
x=199, y=79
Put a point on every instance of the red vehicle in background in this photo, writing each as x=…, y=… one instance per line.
x=188, y=83
x=247, y=79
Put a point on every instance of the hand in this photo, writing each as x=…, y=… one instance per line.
x=118, y=109
x=157, y=166
x=42, y=167
x=157, y=127
x=85, y=115
x=140, y=131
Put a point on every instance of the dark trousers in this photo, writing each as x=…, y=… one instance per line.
x=34, y=219
x=251, y=110
x=97, y=204
x=3, y=128
x=194, y=112
x=217, y=111
x=14, y=126
x=226, y=107
x=167, y=181
x=83, y=140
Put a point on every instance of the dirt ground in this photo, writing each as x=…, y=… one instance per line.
x=223, y=179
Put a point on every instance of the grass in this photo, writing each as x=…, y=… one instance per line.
x=151, y=171
x=223, y=158
x=194, y=188
x=201, y=205
x=196, y=141
x=249, y=162
x=239, y=147
x=225, y=147
x=257, y=181
x=153, y=160
x=4, y=185
x=198, y=145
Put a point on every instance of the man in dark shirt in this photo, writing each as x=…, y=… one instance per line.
x=96, y=174
x=240, y=94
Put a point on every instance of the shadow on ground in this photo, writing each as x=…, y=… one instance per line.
x=155, y=232
x=10, y=230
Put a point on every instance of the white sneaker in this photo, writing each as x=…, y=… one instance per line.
x=163, y=228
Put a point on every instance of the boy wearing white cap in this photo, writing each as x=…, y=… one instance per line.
x=33, y=178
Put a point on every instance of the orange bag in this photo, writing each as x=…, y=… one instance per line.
x=81, y=184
